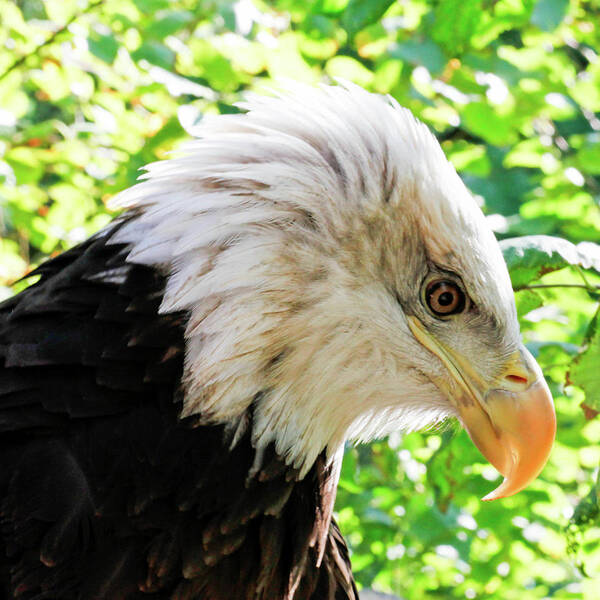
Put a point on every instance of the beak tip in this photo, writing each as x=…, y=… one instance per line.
x=524, y=432
x=497, y=494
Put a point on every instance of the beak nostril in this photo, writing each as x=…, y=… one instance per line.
x=517, y=379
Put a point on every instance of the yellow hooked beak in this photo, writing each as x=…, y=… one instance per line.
x=513, y=424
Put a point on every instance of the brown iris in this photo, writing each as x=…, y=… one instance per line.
x=444, y=297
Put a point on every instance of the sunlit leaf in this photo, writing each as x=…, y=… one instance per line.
x=350, y=69
x=588, y=158
x=526, y=301
x=464, y=16
x=530, y=257
x=149, y=6
x=485, y=122
x=585, y=369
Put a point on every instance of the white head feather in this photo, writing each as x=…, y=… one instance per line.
x=296, y=236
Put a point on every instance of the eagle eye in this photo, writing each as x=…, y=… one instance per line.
x=444, y=297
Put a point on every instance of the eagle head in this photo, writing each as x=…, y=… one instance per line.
x=340, y=283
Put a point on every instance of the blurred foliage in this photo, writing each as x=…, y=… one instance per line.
x=92, y=90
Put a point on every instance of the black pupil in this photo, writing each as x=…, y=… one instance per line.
x=445, y=299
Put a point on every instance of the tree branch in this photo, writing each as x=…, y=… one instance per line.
x=51, y=38
x=589, y=288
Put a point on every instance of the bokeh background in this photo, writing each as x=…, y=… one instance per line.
x=90, y=91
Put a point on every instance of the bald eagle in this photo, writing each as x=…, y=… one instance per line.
x=176, y=391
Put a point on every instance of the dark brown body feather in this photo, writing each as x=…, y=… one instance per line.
x=105, y=492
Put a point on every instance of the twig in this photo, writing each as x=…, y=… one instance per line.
x=51, y=38
x=589, y=288
x=582, y=275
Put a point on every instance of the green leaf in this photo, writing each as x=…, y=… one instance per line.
x=464, y=16
x=585, y=369
x=548, y=14
x=469, y=158
x=330, y=6
x=420, y=52
x=526, y=301
x=527, y=153
x=104, y=47
x=503, y=189
x=530, y=257
x=12, y=265
x=361, y=13
x=437, y=471
x=347, y=67
x=156, y=54
x=484, y=121
x=25, y=164
x=32, y=9
x=588, y=158
x=168, y=23
x=149, y=6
